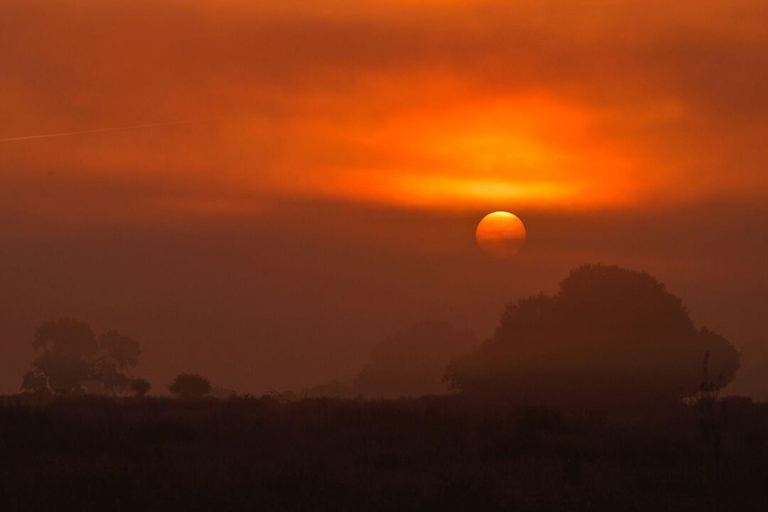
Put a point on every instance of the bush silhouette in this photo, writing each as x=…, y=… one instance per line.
x=609, y=333
x=140, y=387
x=190, y=385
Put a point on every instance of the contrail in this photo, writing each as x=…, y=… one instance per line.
x=98, y=130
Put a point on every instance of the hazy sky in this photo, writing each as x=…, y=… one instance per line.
x=341, y=153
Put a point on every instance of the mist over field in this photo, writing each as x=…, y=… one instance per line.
x=383, y=255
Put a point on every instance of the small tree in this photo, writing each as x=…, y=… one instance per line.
x=140, y=387
x=70, y=359
x=190, y=385
x=66, y=350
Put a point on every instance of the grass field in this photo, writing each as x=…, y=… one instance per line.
x=431, y=453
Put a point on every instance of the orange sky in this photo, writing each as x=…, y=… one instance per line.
x=426, y=104
x=377, y=133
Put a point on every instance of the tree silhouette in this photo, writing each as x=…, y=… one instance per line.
x=140, y=387
x=70, y=355
x=190, y=385
x=412, y=361
x=609, y=333
x=34, y=382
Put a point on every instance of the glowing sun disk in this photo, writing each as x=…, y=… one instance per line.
x=501, y=234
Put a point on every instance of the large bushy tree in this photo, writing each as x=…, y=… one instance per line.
x=609, y=333
x=70, y=357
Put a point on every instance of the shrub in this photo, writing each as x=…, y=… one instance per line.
x=190, y=385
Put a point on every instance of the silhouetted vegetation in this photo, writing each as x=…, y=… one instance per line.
x=190, y=385
x=412, y=362
x=612, y=345
x=608, y=335
x=71, y=360
x=140, y=387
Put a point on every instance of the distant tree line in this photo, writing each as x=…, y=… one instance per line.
x=607, y=334
x=71, y=360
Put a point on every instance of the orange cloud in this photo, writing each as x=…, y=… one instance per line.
x=419, y=104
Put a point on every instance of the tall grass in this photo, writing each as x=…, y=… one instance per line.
x=431, y=453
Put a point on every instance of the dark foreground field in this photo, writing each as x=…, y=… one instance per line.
x=434, y=453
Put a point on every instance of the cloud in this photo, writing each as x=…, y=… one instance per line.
x=624, y=103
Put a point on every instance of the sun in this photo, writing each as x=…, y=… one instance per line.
x=500, y=234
